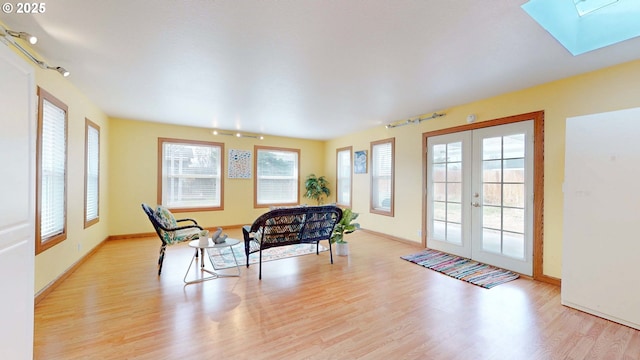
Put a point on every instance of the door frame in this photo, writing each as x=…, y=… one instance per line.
x=538, y=181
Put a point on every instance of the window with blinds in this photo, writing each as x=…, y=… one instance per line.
x=51, y=225
x=277, y=173
x=191, y=174
x=92, y=173
x=343, y=176
x=382, y=176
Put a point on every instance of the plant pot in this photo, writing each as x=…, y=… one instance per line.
x=342, y=249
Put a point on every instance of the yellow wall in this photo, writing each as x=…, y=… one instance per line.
x=52, y=263
x=133, y=146
x=600, y=91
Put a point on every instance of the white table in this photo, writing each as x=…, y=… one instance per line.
x=211, y=245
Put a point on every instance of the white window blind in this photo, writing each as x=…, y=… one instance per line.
x=277, y=177
x=382, y=176
x=92, y=167
x=53, y=171
x=343, y=196
x=191, y=174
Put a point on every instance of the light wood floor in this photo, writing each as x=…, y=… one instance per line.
x=370, y=305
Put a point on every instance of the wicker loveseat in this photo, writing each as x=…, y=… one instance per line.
x=289, y=226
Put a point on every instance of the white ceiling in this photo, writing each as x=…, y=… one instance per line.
x=312, y=69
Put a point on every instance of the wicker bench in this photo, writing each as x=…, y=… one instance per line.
x=289, y=226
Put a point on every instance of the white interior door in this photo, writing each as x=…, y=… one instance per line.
x=17, y=205
x=480, y=195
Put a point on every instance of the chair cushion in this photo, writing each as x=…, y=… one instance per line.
x=174, y=237
x=166, y=217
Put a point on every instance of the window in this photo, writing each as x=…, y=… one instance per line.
x=277, y=172
x=382, y=176
x=92, y=173
x=51, y=194
x=343, y=176
x=190, y=175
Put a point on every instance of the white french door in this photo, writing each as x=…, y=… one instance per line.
x=480, y=195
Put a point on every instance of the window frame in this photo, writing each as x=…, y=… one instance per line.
x=256, y=150
x=372, y=208
x=49, y=242
x=161, y=142
x=348, y=149
x=88, y=124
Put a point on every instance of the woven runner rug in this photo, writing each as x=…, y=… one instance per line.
x=224, y=259
x=471, y=271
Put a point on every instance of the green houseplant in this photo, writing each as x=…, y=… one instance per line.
x=317, y=188
x=343, y=227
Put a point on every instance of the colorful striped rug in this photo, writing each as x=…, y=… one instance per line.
x=471, y=271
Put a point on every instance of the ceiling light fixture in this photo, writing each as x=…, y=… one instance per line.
x=238, y=134
x=23, y=35
x=8, y=35
x=414, y=120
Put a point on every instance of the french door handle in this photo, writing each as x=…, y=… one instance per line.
x=475, y=204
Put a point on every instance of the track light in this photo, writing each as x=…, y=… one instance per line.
x=24, y=36
x=415, y=120
x=238, y=135
x=64, y=72
x=32, y=40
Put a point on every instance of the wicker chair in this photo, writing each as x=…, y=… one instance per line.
x=166, y=226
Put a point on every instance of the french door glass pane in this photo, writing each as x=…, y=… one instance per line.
x=514, y=146
x=492, y=194
x=439, y=232
x=454, y=192
x=491, y=240
x=513, y=195
x=446, y=172
x=513, y=245
x=440, y=192
x=503, y=210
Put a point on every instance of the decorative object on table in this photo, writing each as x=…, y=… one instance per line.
x=343, y=227
x=221, y=239
x=239, y=164
x=204, y=238
x=216, y=235
x=317, y=188
x=468, y=270
x=360, y=162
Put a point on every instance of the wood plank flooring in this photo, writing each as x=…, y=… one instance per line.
x=369, y=305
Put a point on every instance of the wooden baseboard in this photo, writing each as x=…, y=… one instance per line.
x=52, y=285
x=549, y=280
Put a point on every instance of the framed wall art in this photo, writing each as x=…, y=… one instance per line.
x=239, y=164
x=360, y=162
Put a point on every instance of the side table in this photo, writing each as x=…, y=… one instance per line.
x=211, y=245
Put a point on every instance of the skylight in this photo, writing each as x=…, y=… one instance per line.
x=586, y=25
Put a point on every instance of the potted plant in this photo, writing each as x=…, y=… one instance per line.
x=317, y=188
x=343, y=227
